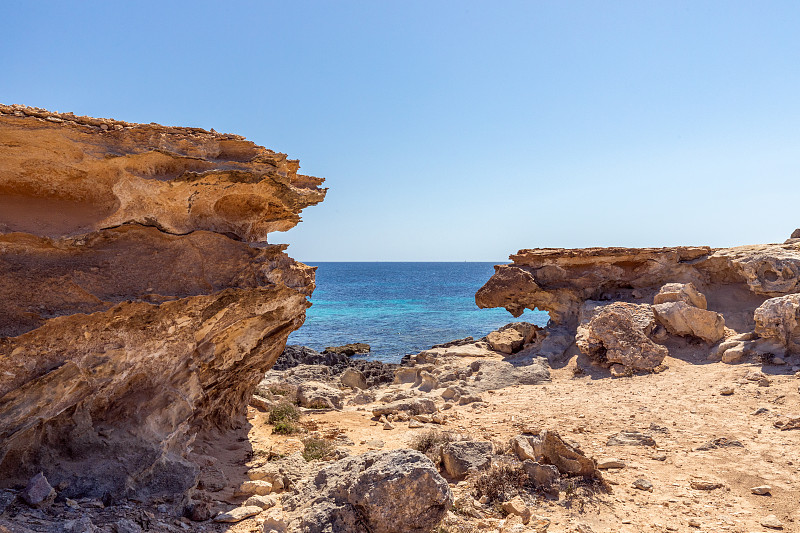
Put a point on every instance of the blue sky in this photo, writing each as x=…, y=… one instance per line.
x=458, y=130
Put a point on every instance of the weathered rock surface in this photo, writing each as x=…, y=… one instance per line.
x=459, y=457
x=379, y=492
x=619, y=333
x=681, y=292
x=133, y=312
x=685, y=284
x=375, y=372
x=778, y=319
x=684, y=319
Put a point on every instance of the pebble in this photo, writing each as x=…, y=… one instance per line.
x=643, y=484
x=388, y=425
x=726, y=391
x=694, y=522
x=761, y=490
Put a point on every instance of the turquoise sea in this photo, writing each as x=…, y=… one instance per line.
x=400, y=308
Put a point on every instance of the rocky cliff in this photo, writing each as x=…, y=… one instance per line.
x=631, y=306
x=140, y=302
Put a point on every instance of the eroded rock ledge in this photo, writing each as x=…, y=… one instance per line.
x=134, y=313
x=631, y=306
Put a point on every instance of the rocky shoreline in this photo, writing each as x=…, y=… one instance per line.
x=146, y=385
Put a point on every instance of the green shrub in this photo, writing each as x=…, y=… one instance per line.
x=316, y=449
x=283, y=412
x=285, y=427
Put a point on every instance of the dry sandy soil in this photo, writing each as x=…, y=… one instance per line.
x=681, y=407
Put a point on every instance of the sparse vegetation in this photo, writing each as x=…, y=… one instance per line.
x=285, y=427
x=430, y=440
x=501, y=482
x=284, y=411
x=284, y=417
x=316, y=449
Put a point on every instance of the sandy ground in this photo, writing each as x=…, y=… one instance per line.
x=681, y=407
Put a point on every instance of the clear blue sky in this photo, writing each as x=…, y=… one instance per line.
x=458, y=130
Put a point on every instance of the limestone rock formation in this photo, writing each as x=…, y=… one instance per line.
x=379, y=492
x=684, y=319
x=134, y=313
x=619, y=333
x=697, y=291
x=778, y=319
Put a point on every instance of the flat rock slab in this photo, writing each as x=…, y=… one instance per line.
x=238, y=514
x=631, y=438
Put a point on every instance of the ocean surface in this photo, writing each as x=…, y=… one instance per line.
x=400, y=308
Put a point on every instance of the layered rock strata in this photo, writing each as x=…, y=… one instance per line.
x=627, y=305
x=140, y=303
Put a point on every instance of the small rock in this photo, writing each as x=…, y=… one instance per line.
x=699, y=484
x=374, y=444
x=260, y=403
x=726, y=391
x=772, y=522
x=413, y=424
x=694, y=522
x=38, y=493
x=517, y=507
x=238, y=514
x=124, y=525
x=543, y=476
x=354, y=379
x=778, y=361
x=80, y=525
x=643, y=484
x=388, y=425
x=631, y=438
x=459, y=457
x=72, y=504
x=198, y=512
x=265, y=502
x=605, y=464
x=761, y=490
x=720, y=442
x=259, y=487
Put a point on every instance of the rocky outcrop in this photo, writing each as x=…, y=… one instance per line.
x=134, y=312
x=698, y=291
x=778, y=319
x=379, y=492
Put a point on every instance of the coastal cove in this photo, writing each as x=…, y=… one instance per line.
x=400, y=308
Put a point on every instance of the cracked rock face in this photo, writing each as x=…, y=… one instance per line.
x=134, y=311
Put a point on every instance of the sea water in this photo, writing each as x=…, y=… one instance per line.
x=400, y=308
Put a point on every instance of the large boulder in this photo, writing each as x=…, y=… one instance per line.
x=377, y=492
x=134, y=313
x=681, y=318
x=619, y=333
x=778, y=319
